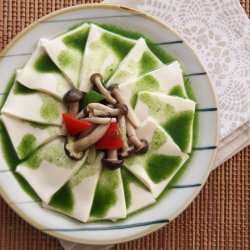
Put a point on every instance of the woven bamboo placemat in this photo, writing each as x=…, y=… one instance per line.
x=217, y=219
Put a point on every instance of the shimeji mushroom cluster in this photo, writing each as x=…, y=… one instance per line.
x=101, y=115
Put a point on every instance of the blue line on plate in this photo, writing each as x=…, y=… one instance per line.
x=206, y=109
x=91, y=18
x=205, y=148
x=186, y=186
x=25, y=202
x=5, y=171
x=166, y=43
x=196, y=74
x=116, y=227
x=13, y=55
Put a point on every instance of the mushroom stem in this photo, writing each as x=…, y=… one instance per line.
x=92, y=138
x=73, y=108
x=99, y=120
x=132, y=136
x=98, y=112
x=121, y=100
x=92, y=155
x=112, y=154
x=102, y=110
x=96, y=79
x=87, y=131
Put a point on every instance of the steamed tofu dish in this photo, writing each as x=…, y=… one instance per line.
x=99, y=122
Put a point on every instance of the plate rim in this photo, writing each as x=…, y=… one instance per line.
x=155, y=227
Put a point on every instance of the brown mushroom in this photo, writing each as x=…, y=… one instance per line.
x=99, y=120
x=126, y=150
x=112, y=160
x=97, y=80
x=87, y=131
x=92, y=138
x=141, y=145
x=102, y=110
x=69, y=150
x=120, y=99
x=73, y=97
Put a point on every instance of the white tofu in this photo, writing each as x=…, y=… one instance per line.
x=66, y=51
x=33, y=106
x=49, y=168
x=138, y=61
x=109, y=201
x=174, y=114
x=137, y=196
x=27, y=136
x=161, y=162
x=101, y=56
x=80, y=189
x=40, y=73
x=166, y=80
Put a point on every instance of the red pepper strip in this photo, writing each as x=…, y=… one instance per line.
x=111, y=139
x=73, y=125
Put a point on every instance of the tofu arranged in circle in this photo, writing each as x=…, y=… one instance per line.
x=109, y=200
x=48, y=169
x=138, y=61
x=40, y=73
x=166, y=80
x=33, y=106
x=75, y=198
x=66, y=51
x=28, y=136
x=161, y=162
x=174, y=114
x=104, y=52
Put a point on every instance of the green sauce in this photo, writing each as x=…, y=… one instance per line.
x=128, y=179
x=105, y=194
x=77, y=40
x=148, y=62
x=160, y=167
x=146, y=83
x=63, y=199
x=19, y=89
x=177, y=91
x=26, y=146
x=44, y=64
x=49, y=110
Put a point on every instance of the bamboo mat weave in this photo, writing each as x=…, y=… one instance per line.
x=217, y=219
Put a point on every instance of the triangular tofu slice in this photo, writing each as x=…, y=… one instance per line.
x=27, y=136
x=66, y=51
x=109, y=200
x=33, y=106
x=40, y=73
x=166, y=80
x=76, y=197
x=103, y=53
x=162, y=160
x=137, y=195
x=174, y=114
x=138, y=61
x=48, y=169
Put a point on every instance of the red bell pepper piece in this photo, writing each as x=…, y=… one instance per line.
x=111, y=139
x=73, y=125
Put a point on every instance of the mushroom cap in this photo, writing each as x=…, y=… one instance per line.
x=122, y=107
x=112, y=164
x=73, y=95
x=94, y=76
x=143, y=148
x=68, y=148
x=112, y=87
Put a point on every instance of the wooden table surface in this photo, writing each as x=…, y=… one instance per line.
x=217, y=219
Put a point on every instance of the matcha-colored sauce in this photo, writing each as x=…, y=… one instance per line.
x=26, y=146
x=77, y=40
x=7, y=90
x=160, y=167
x=148, y=62
x=146, y=83
x=177, y=91
x=105, y=194
x=128, y=179
x=19, y=89
x=49, y=110
x=63, y=199
x=177, y=124
x=44, y=64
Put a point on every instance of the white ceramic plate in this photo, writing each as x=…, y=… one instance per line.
x=191, y=182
